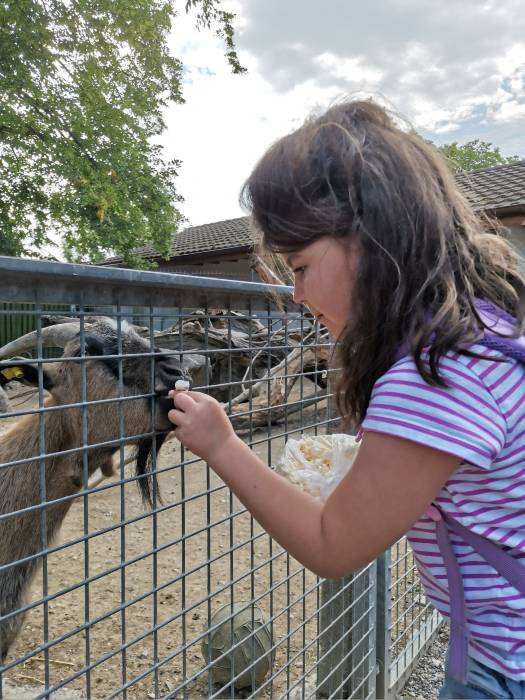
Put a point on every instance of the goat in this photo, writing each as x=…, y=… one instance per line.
x=21, y=541
x=5, y=404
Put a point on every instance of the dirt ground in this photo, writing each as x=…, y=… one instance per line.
x=152, y=584
x=153, y=581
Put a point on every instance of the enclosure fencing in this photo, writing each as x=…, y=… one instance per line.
x=127, y=568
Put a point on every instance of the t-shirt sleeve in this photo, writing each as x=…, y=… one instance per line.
x=463, y=419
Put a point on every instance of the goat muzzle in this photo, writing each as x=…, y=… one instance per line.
x=168, y=369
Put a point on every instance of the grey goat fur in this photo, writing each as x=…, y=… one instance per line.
x=21, y=540
x=5, y=404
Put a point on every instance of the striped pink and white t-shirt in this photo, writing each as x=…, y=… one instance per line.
x=480, y=418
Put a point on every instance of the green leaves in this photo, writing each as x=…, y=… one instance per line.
x=209, y=15
x=84, y=84
x=474, y=155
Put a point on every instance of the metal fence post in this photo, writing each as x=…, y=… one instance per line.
x=383, y=626
x=344, y=624
x=347, y=637
x=334, y=669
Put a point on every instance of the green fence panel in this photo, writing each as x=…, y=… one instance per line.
x=17, y=319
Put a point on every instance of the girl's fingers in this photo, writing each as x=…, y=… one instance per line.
x=178, y=392
x=176, y=417
x=176, y=432
x=197, y=396
x=183, y=398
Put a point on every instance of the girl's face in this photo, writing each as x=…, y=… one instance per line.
x=324, y=274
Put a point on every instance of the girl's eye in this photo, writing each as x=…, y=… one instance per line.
x=298, y=270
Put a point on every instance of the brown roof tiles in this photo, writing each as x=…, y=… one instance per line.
x=491, y=189
x=220, y=236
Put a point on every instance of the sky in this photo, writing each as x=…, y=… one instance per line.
x=454, y=69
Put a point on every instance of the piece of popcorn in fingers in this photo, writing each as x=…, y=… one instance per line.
x=182, y=385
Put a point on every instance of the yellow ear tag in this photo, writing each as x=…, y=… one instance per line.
x=11, y=373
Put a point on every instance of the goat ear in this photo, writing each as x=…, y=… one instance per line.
x=27, y=374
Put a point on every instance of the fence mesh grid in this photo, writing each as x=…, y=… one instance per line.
x=413, y=620
x=116, y=596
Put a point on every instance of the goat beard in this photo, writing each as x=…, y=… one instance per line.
x=146, y=475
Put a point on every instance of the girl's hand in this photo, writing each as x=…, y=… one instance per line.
x=202, y=424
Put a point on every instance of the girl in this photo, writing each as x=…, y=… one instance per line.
x=390, y=258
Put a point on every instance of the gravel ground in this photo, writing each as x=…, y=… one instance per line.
x=427, y=678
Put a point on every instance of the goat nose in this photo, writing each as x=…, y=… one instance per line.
x=167, y=371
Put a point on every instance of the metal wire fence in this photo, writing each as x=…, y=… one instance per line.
x=127, y=568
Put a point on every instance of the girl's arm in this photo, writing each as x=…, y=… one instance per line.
x=391, y=483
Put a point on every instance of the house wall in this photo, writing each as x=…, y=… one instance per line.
x=239, y=268
x=517, y=238
x=234, y=269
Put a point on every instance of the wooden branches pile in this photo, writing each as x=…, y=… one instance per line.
x=249, y=366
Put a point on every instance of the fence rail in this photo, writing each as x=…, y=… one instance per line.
x=134, y=584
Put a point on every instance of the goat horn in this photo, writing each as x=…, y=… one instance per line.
x=52, y=337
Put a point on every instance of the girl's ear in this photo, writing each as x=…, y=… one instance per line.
x=27, y=374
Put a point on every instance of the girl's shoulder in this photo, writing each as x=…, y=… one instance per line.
x=470, y=416
x=488, y=371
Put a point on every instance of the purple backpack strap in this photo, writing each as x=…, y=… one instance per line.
x=500, y=326
x=458, y=663
x=504, y=563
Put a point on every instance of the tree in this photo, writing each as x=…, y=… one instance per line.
x=474, y=155
x=83, y=85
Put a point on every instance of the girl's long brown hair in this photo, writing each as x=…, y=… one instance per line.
x=424, y=255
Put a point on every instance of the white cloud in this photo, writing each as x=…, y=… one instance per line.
x=226, y=124
x=456, y=70
x=508, y=111
x=352, y=69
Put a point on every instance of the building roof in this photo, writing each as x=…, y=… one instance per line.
x=500, y=189
x=218, y=237
x=496, y=189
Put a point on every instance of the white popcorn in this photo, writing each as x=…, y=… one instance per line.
x=182, y=385
x=317, y=464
